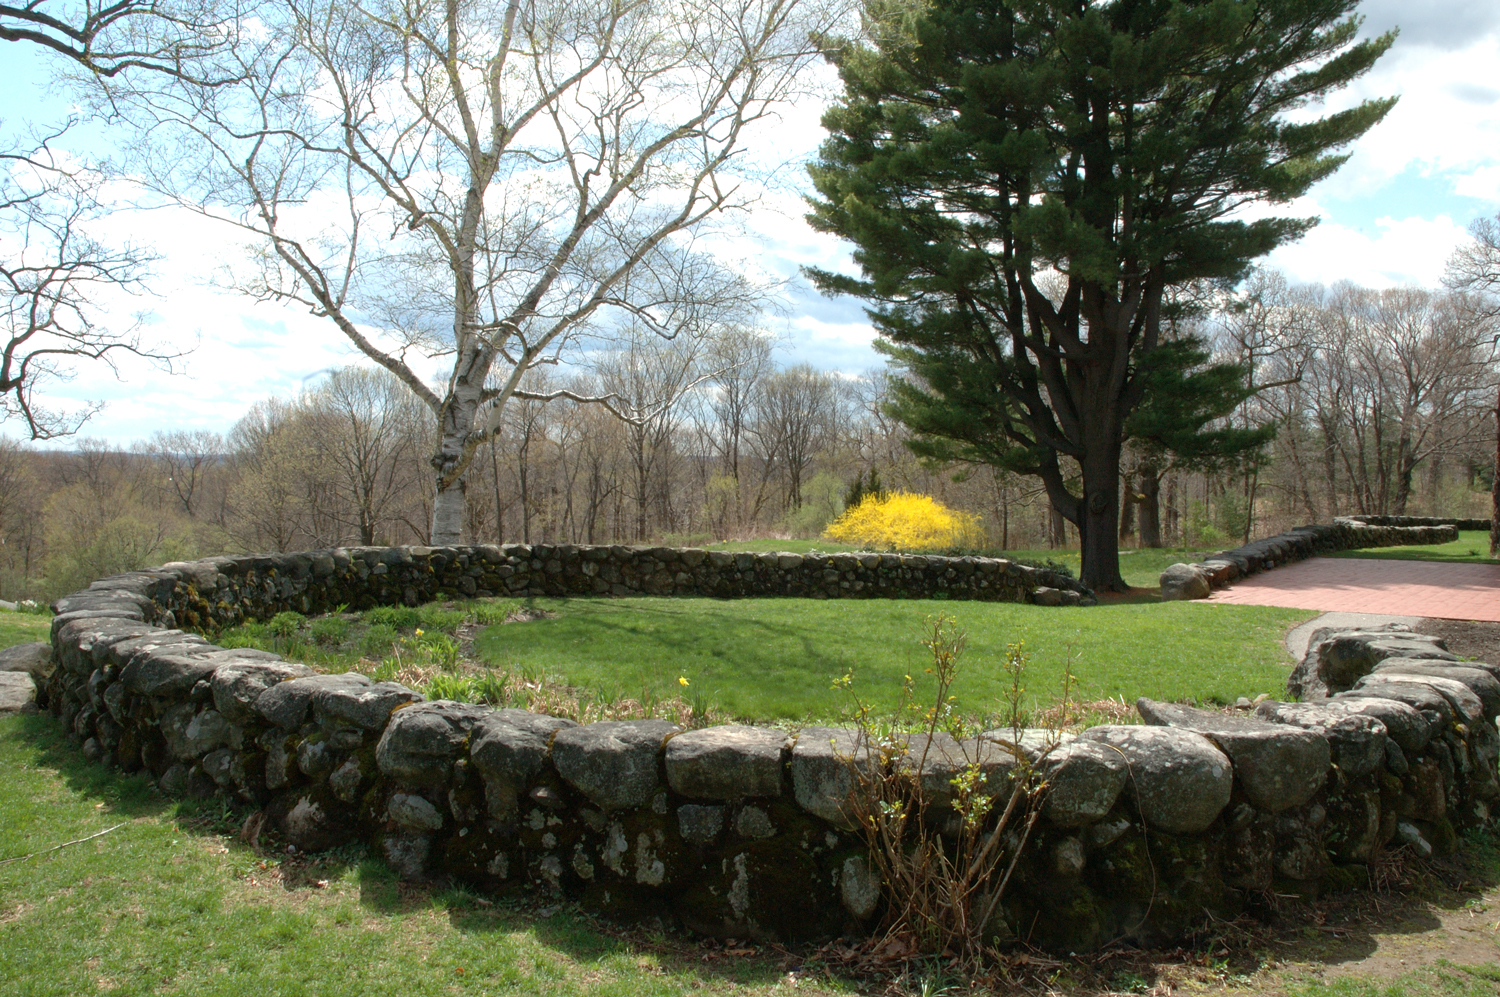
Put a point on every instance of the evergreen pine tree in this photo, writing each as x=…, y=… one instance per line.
x=1027, y=181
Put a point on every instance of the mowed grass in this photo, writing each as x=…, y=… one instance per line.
x=165, y=905
x=775, y=659
x=171, y=902
x=1471, y=547
x=23, y=628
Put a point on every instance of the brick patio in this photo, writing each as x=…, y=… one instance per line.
x=1355, y=585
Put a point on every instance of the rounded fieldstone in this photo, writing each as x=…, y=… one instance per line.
x=1338, y=660
x=238, y=685
x=17, y=692
x=513, y=744
x=1479, y=681
x=1034, y=741
x=35, y=659
x=699, y=823
x=1404, y=724
x=942, y=758
x=1184, y=581
x=753, y=822
x=367, y=707
x=1278, y=765
x=1083, y=780
x=1357, y=741
x=206, y=731
x=413, y=812
x=169, y=671
x=859, y=887
x=421, y=741
x=726, y=763
x=613, y=763
x=1178, y=779
x=824, y=760
x=1449, y=699
x=285, y=704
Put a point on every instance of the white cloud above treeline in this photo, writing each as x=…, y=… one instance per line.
x=1391, y=216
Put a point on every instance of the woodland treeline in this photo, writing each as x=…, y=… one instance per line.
x=1380, y=400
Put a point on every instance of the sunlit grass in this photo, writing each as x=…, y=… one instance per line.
x=166, y=904
x=23, y=628
x=767, y=659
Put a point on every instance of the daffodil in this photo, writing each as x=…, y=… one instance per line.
x=682, y=680
x=419, y=631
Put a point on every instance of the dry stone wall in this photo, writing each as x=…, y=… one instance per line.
x=222, y=591
x=1460, y=524
x=1198, y=580
x=745, y=831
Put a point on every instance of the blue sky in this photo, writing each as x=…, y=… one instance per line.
x=1391, y=216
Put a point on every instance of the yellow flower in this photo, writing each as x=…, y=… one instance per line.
x=904, y=521
x=419, y=631
x=682, y=680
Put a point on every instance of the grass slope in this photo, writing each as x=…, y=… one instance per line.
x=775, y=658
x=173, y=903
x=1471, y=547
x=23, y=628
x=164, y=905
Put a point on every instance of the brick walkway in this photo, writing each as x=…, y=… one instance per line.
x=1355, y=585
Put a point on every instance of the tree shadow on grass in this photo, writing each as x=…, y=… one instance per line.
x=1338, y=931
x=554, y=924
x=129, y=796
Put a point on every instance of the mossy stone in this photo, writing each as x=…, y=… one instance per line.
x=1340, y=878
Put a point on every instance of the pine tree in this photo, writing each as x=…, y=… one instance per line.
x=1027, y=182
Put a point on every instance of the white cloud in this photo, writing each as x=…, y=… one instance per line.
x=1446, y=124
x=1409, y=250
x=1380, y=227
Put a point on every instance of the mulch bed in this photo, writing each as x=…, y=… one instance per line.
x=1467, y=639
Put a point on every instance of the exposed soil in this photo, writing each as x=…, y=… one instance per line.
x=1467, y=639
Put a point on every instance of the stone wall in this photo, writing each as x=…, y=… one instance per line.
x=1196, y=581
x=1460, y=524
x=744, y=831
x=223, y=591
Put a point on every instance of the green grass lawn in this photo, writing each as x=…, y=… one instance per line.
x=1471, y=547
x=172, y=902
x=1140, y=567
x=23, y=628
x=767, y=659
x=165, y=905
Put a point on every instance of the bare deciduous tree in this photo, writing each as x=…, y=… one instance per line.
x=369, y=435
x=1476, y=268
x=484, y=181
x=56, y=279
x=117, y=36
x=186, y=459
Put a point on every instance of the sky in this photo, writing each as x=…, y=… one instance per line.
x=1390, y=216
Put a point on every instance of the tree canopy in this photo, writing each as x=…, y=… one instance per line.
x=1027, y=182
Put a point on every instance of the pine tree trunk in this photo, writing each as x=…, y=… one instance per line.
x=1098, y=520
x=1150, y=507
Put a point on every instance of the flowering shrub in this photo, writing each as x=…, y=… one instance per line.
x=903, y=521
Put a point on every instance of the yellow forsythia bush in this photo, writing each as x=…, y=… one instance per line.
x=903, y=521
